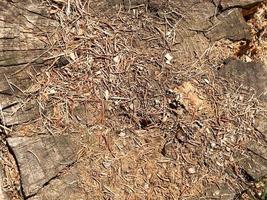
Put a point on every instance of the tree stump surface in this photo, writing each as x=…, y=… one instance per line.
x=222, y=192
x=261, y=125
x=250, y=74
x=226, y=4
x=24, y=26
x=253, y=75
x=64, y=187
x=231, y=26
x=198, y=23
x=41, y=158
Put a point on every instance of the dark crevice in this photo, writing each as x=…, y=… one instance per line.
x=13, y=65
x=247, y=177
x=245, y=48
x=10, y=105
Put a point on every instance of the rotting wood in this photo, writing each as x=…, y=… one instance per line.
x=252, y=75
x=41, y=158
x=261, y=125
x=19, y=112
x=225, y=4
x=23, y=32
x=258, y=149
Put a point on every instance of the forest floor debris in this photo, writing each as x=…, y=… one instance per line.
x=148, y=128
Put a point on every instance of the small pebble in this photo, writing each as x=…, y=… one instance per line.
x=207, y=81
x=216, y=193
x=157, y=102
x=106, y=164
x=192, y=170
x=122, y=134
x=146, y=186
x=228, y=149
x=52, y=91
x=213, y=144
x=116, y=59
x=168, y=58
x=248, y=59
x=165, y=118
x=131, y=106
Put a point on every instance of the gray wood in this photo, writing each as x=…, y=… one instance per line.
x=225, y=4
x=20, y=112
x=239, y=3
x=261, y=125
x=24, y=26
x=254, y=165
x=41, y=158
x=251, y=74
x=222, y=192
x=230, y=25
x=258, y=149
x=197, y=23
x=65, y=187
